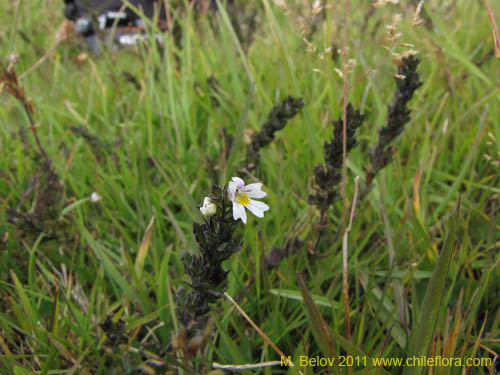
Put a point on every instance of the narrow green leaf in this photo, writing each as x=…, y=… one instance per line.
x=353, y=350
x=296, y=295
x=31, y=263
x=319, y=326
x=20, y=371
x=145, y=319
x=229, y=26
x=28, y=308
x=163, y=296
x=455, y=50
x=424, y=330
x=307, y=124
x=72, y=206
x=228, y=344
x=466, y=168
x=385, y=310
x=143, y=249
x=110, y=269
x=238, y=138
x=402, y=274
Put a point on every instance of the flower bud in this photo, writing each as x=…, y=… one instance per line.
x=94, y=197
x=209, y=208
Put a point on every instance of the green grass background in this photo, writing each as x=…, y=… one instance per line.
x=159, y=137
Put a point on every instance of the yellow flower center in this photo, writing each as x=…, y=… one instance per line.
x=243, y=199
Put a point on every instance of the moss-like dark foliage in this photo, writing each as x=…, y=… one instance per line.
x=398, y=116
x=276, y=120
x=327, y=177
x=47, y=190
x=217, y=242
x=45, y=187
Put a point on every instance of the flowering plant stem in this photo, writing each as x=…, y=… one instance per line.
x=345, y=273
x=11, y=82
x=217, y=241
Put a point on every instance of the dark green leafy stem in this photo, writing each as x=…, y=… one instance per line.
x=399, y=115
x=217, y=242
x=277, y=120
x=328, y=176
x=47, y=191
x=46, y=188
x=319, y=326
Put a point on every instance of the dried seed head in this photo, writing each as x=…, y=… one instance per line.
x=281, y=4
x=14, y=58
x=317, y=7
x=311, y=48
x=66, y=32
x=379, y=3
x=417, y=20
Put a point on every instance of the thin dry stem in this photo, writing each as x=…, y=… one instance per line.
x=495, y=29
x=354, y=201
x=10, y=81
x=344, y=130
x=33, y=128
x=344, y=180
x=259, y=331
x=40, y=61
x=246, y=367
x=64, y=34
x=417, y=21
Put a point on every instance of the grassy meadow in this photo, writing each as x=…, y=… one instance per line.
x=104, y=161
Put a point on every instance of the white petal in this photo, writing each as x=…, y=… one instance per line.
x=254, y=190
x=231, y=189
x=94, y=197
x=257, y=208
x=239, y=212
x=211, y=209
x=239, y=182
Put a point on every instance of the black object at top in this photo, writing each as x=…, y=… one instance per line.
x=75, y=9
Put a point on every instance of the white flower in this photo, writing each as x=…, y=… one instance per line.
x=241, y=194
x=209, y=207
x=94, y=197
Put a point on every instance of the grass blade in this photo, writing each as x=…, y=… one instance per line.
x=238, y=138
x=28, y=308
x=385, y=310
x=143, y=249
x=296, y=295
x=109, y=267
x=319, y=326
x=424, y=330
